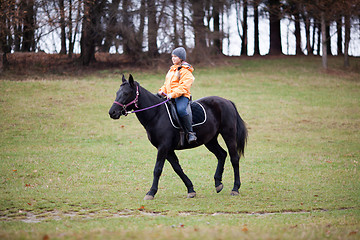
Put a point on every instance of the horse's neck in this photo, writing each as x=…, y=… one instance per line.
x=147, y=99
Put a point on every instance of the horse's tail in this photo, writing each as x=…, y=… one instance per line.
x=241, y=133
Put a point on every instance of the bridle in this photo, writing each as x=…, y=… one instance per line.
x=135, y=102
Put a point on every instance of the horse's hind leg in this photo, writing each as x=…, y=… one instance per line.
x=220, y=154
x=235, y=159
x=174, y=161
x=230, y=140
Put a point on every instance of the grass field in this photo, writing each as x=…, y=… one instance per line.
x=68, y=171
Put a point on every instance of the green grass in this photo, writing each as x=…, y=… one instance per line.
x=69, y=171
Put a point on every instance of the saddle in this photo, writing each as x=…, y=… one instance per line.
x=198, y=117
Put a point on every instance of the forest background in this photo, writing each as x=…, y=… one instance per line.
x=143, y=30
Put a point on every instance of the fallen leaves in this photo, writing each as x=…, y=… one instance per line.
x=180, y=226
x=353, y=233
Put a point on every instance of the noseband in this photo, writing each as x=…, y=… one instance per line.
x=135, y=101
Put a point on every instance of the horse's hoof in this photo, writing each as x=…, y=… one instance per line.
x=219, y=188
x=191, y=195
x=148, y=197
x=234, y=193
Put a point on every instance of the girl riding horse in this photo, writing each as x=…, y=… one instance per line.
x=177, y=86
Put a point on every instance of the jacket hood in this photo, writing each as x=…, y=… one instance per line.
x=183, y=65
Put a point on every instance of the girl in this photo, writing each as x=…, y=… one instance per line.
x=177, y=85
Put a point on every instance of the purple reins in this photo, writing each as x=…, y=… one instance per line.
x=135, y=101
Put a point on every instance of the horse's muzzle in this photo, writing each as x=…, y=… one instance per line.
x=114, y=114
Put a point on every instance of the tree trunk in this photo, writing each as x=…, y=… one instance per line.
x=339, y=36
x=183, y=36
x=174, y=16
x=275, y=35
x=152, y=29
x=347, y=40
x=127, y=30
x=28, y=43
x=112, y=26
x=18, y=27
x=323, y=41
x=199, y=30
x=88, y=33
x=2, y=57
x=3, y=37
x=140, y=33
x=307, y=33
x=244, y=43
x=70, y=35
x=256, y=26
x=62, y=27
x=319, y=37
x=328, y=38
x=217, y=35
x=298, y=50
x=313, y=38
x=87, y=41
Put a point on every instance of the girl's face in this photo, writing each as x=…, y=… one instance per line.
x=176, y=60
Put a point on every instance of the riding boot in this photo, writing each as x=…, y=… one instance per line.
x=186, y=122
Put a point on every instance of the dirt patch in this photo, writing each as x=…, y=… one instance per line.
x=30, y=217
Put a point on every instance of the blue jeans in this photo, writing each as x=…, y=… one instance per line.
x=181, y=106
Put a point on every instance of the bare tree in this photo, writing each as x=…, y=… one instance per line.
x=256, y=27
x=244, y=42
x=72, y=34
x=241, y=22
x=175, y=21
x=111, y=26
x=62, y=26
x=347, y=41
x=274, y=9
x=307, y=22
x=5, y=33
x=339, y=35
x=183, y=21
x=323, y=41
x=93, y=10
x=152, y=28
x=140, y=33
x=28, y=42
x=199, y=29
x=217, y=8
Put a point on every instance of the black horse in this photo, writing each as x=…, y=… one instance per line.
x=222, y=118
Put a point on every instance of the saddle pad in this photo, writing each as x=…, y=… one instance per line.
x=198, y=114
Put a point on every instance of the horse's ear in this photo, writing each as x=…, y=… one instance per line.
x=131, y=80
x=123, y=78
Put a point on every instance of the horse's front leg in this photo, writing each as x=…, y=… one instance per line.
x=174, y=161
x=159, y=165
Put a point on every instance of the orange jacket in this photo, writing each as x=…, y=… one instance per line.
x=178, y=83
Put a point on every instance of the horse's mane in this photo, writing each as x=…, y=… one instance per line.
x=153, y=97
